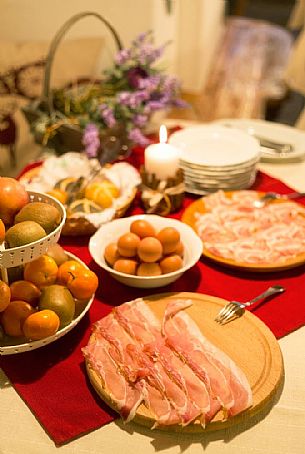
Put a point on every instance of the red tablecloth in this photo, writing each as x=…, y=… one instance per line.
x=52, y=380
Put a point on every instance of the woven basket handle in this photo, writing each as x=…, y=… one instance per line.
x=46, y=91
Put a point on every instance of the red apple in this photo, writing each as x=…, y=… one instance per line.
x=13, y=197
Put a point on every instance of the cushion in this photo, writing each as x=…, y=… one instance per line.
x=21, y=79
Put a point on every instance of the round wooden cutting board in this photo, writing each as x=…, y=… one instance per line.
x=247, y=341
x=198, y=207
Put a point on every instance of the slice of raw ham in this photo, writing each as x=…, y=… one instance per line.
x=183, y=325
x=126, y=397
x=181, y=410
x=138, y=320
x=181, y=339
x=138, y=370
x=135, y=316
x=180, y=373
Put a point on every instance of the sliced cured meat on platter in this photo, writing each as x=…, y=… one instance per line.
x=164, y=362
x=237, y=234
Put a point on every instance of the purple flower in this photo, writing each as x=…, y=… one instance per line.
x=107, y=114
x=156, y=105
x=135, y=76
x=141, y=38
x=135, y=135
x=150, y=83
x=140, y=120
x=91, y=140
x=122, y=56
x=132, y=99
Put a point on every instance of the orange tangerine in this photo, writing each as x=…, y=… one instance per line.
x=84, y=284
x=59, y=195
x=5, y=296
x=41, y=324
x=2, y=231
x=14, y=316
x=99, y=194
x=42, y=271
x=68, y=271
x=25, y=291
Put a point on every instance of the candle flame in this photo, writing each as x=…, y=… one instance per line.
x=163, y=134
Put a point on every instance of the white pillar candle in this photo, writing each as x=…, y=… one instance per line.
x=162, y=159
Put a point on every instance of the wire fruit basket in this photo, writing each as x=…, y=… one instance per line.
x=20, y=346
x=20, y=255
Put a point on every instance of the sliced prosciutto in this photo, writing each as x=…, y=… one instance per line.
x=138, y=371
x=168, y=366
x=233, y=228
x=182, y=339
x=231, y=387
x=143, y=326
x=125, y=396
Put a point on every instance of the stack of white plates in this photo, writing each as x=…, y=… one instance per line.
x=215, y=157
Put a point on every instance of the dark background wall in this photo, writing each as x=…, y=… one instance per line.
x=276, y=11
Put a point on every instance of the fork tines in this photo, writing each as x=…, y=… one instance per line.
x=229, y=312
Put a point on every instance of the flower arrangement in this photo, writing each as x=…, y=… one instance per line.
x=129, y=93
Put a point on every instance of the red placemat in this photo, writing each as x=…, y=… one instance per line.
x=52, y=380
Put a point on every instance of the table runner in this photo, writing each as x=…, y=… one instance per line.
x=52, y=380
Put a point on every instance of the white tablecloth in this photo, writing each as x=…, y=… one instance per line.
x=281, y=431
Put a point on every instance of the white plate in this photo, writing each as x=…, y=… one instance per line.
x=272, y=131
x=215, y=145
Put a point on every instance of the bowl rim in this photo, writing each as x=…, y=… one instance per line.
x=181, y=270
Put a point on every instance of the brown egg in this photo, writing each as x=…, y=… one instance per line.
x=171, y=263
x=126, y=266
x=149, y=269
x=142, y=228
x=127, y=244
x=169, y=237
x=179, y=249
x=150, y=249
x=111, y=253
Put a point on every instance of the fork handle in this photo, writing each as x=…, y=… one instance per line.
x=294, y=195
x=281, y=147
x=270, y=291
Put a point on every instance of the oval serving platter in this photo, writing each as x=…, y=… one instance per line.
x=198, y=207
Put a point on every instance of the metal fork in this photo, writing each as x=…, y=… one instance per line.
x=269, y=196
x=235, y=309
x=276, y=147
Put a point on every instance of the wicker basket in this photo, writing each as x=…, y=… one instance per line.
x=79, y=226
x=68, y=137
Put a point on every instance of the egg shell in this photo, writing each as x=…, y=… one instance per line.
x=179, y=249
x=111, y=253
x=149, y=269
x=142, y=228
x=149, y=249
x=126, y=266
x=128, y=244
x=169, y=237
x=171, y=263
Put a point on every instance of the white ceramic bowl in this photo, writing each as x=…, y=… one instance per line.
x=111, y=232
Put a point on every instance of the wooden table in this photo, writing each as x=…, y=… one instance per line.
x=279, y=432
